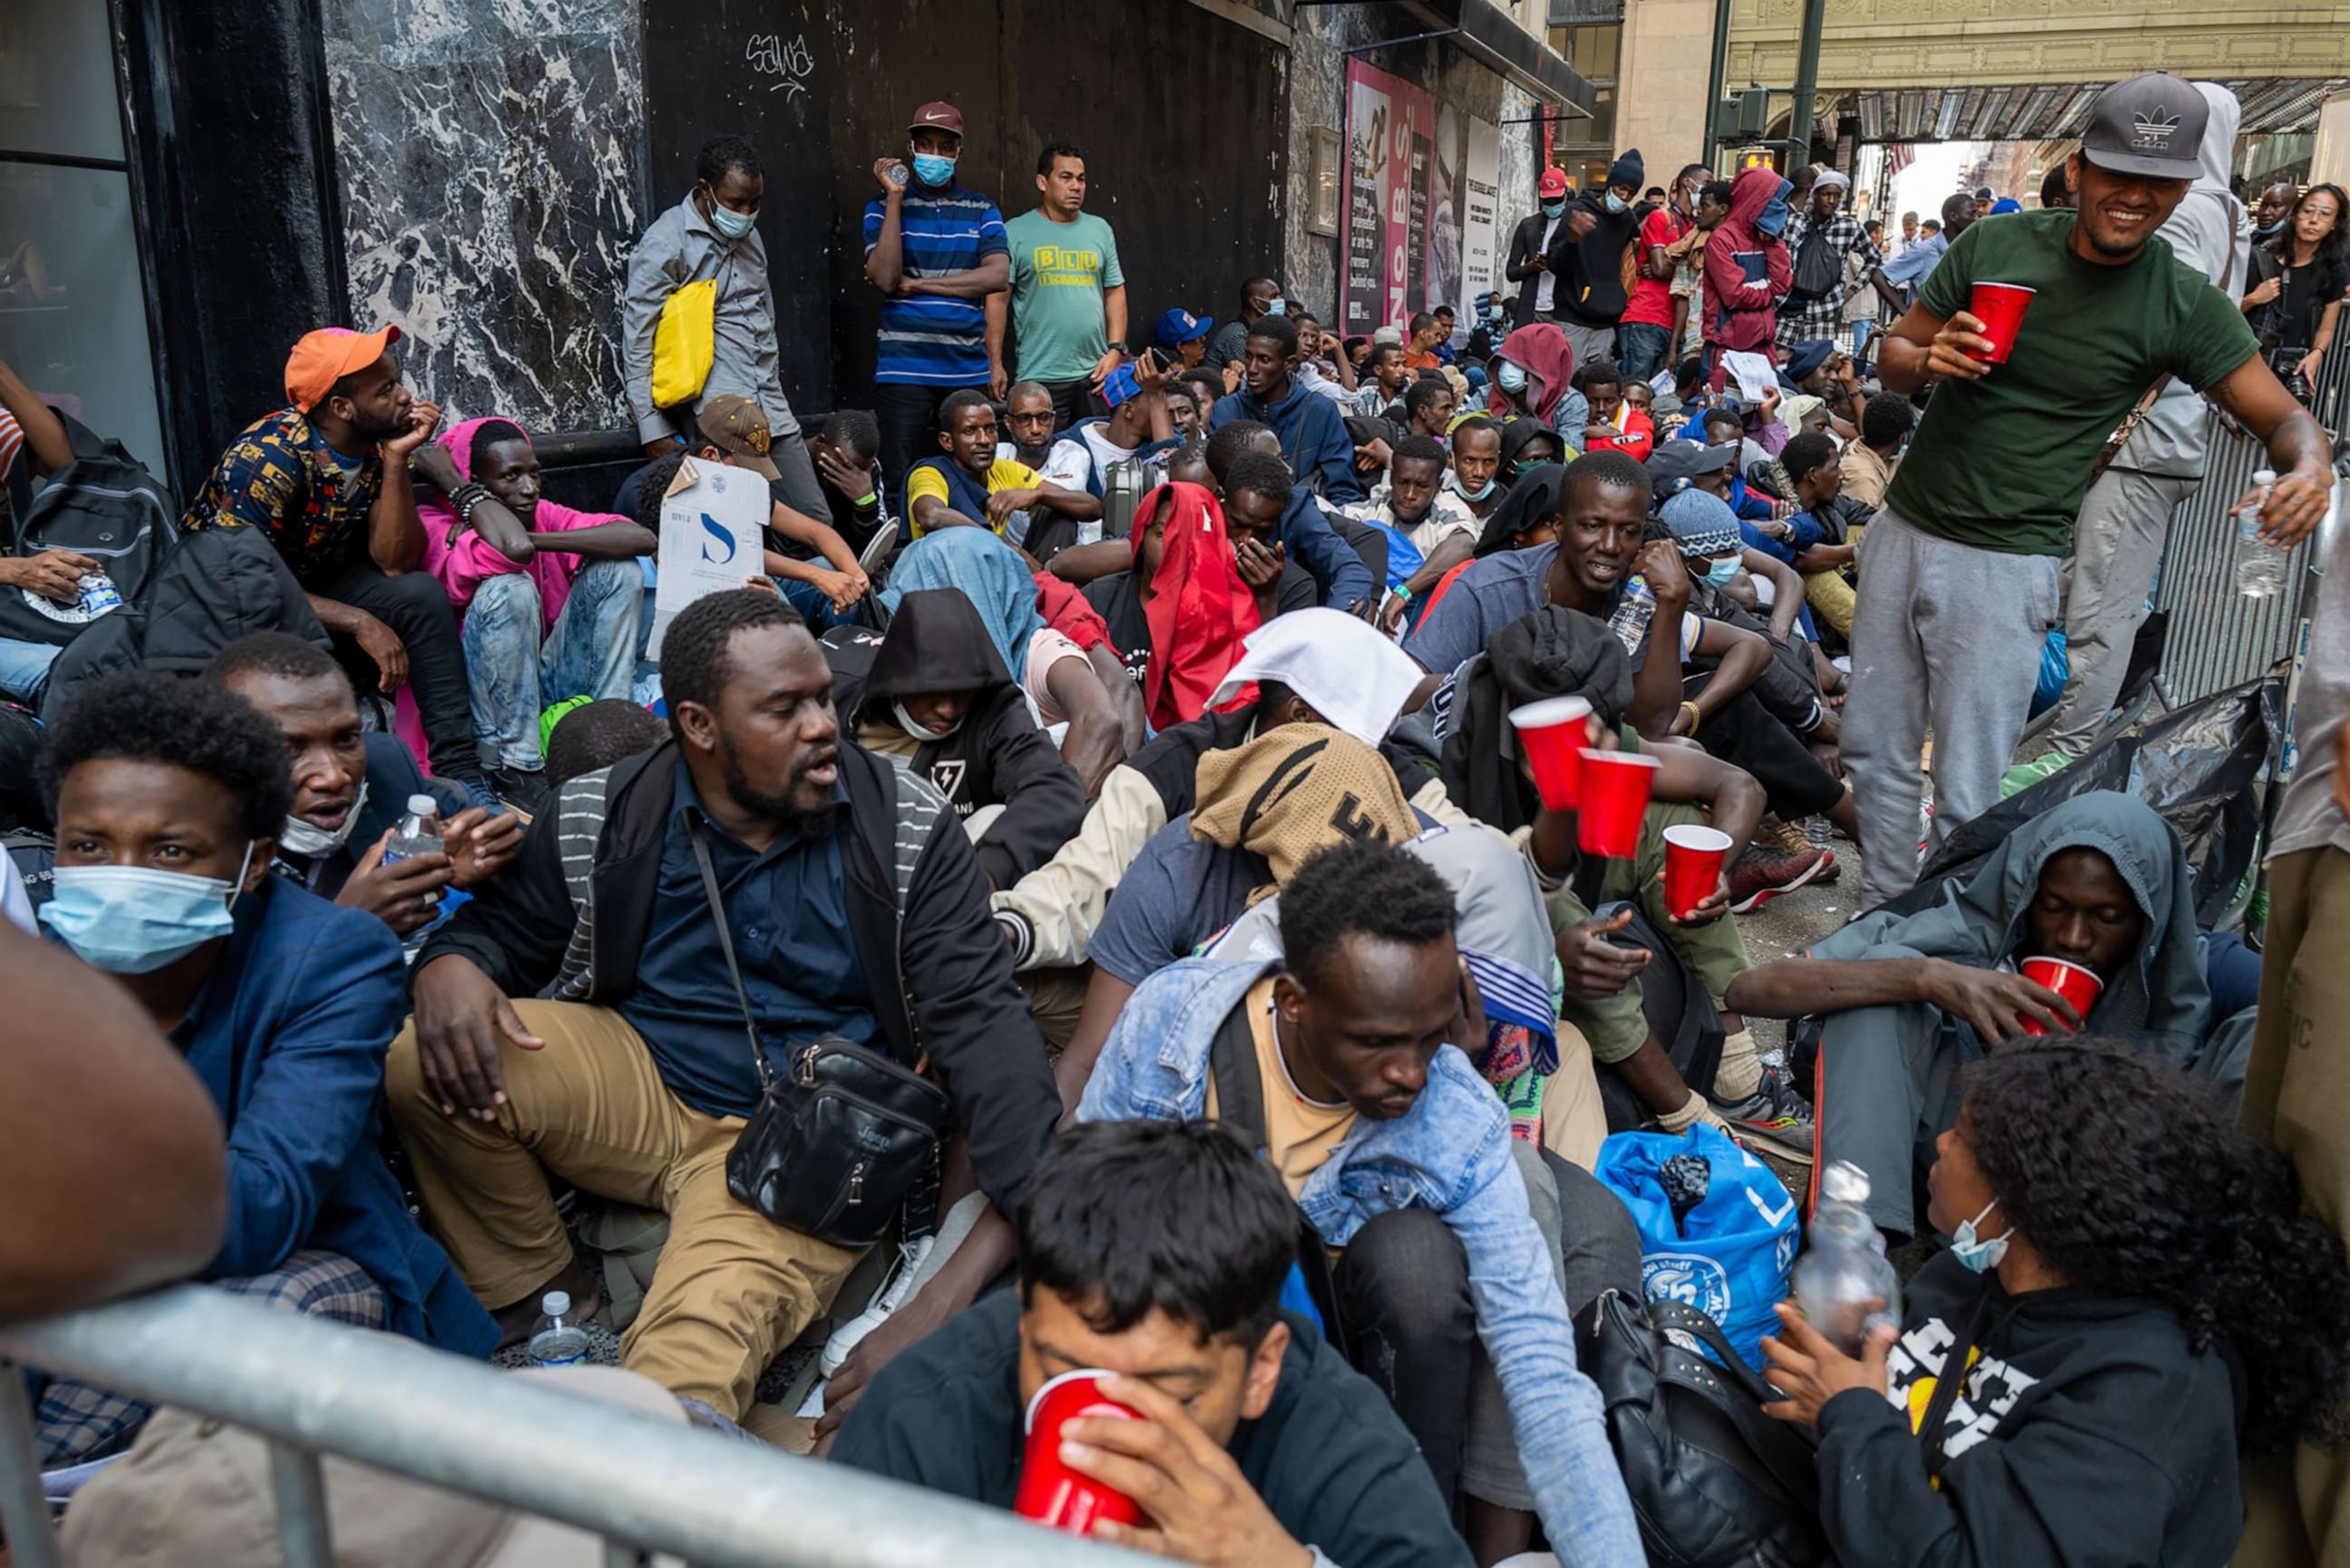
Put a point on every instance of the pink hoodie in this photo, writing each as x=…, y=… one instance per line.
x=463, y=567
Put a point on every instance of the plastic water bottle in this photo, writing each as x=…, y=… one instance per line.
x=99, y=595
x=559, y=1339
x=2259, y=566
x=419, y=833
x=1845, y=1266
x=1630, y=618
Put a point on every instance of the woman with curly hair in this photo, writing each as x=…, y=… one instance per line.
x=2127, y=1272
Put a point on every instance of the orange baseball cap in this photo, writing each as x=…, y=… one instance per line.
x=325, y=356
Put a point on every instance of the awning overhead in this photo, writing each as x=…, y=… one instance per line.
x=1486, y=33
x=2272, y=105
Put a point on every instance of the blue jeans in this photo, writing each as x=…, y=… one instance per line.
x=1860, y=331
x=25, y=668
x=590, y=653
x=1640, y=349
x=811, y=602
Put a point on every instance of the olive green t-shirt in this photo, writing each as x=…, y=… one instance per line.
x=1059, y=272
x=2003, y=463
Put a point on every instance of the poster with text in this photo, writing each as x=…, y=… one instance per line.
x=1480, y=208
x=1390, y=158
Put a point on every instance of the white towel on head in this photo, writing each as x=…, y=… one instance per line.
x=1341, y=666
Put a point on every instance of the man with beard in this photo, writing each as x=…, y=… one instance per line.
x=1963, y=560
x=853, y=908
x=1030, y=418
x=327, y=480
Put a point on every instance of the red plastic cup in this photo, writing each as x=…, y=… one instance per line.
x=2070, y=981
x=1050, y=1493
x=2000, y=307
x=1693, y=857
x=1553, y=732
x=1615, y=788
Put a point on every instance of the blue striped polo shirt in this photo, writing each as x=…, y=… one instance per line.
x=929, y=340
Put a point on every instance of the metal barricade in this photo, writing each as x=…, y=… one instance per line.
x=313, y=1388
x=2217, y=636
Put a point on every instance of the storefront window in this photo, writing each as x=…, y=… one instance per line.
x=73, y=310
x=1582, y=147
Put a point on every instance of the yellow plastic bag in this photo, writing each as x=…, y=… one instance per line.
x=685, y=342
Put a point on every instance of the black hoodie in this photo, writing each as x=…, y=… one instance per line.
x=1591, y=290
x=2088, y=1432
x=997, y=756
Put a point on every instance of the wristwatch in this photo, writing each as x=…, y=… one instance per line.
x=1121, y=348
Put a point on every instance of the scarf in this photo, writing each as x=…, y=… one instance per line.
x=1198, y=608
x=1548, y=358
x=1553, y=652
x=1296, y=789
x=990, y=574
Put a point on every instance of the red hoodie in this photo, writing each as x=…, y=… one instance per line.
x=1745, y=270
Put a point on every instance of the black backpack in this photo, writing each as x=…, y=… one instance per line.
x=1715, y=1482
x=103, y=504
x=1680, y=1014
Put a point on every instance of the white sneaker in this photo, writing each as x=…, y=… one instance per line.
x=895, y=1291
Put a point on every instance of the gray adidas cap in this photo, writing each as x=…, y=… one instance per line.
x=2150, y=125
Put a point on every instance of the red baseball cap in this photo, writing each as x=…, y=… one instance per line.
x=938, y=116
x=325, y=356
x=1554, y=183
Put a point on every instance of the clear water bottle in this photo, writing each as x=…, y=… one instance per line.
x=99, y=595
x=1845, y=1267
x=1630, y=618
x=558, y=1339
x=2259, y=566
x=419, y=833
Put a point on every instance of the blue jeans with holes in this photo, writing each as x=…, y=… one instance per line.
x=515, y=675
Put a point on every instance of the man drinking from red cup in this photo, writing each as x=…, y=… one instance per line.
x=1963, y=560
x=1153, y=1258
x=2098, y=884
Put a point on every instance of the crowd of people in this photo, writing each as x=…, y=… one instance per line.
x=1083, y=902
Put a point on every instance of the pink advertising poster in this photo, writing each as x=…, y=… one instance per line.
x=1392, y=162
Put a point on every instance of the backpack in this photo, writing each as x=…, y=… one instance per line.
x=1715, y=1482
x=103, y=504
x=1818, y=271
x=1680, y=1014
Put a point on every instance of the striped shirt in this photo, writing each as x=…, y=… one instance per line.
x=929, y=340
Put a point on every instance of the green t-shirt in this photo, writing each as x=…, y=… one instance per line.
x=1059, y=273
x=2003, y=463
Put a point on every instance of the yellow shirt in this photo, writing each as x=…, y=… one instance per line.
x=1298, y=1133
x=1003, y=473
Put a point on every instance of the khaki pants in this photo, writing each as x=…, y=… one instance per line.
x=2294, y=1094
x=1830, y=596
x=733, y=1287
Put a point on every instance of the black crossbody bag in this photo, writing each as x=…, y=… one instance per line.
x=840, y=1144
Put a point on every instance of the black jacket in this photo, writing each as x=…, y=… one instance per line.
x=997, y=756
x=2090, y=1431
x=1329, y=1456
x=1525, y=244
x=1590, y=270
x=570, y=927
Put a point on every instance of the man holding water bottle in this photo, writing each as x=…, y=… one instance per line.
x=2044, y=331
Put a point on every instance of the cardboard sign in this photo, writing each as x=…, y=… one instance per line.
x=713, y=535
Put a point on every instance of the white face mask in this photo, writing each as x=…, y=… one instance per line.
x=906, y=723
x=301, y=837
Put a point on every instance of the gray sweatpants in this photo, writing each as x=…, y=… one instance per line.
x=2116, y=544
x=1947, y=635
x=1592, y=346
x=1888, y=1086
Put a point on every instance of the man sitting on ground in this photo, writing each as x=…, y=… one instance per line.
x=1397, y=1152
x=1433, y=530
x=856, y=909
x=350, y=789
x=1029, y=439
x=1312, y=436
x=327, y=480
x=933, y=691
x=1158, y=1251
x=1886, y=421
x=1306, y=535
x=968, y=486
x=1616, y=424
x=1428, y=406
x=847, y=453
x=1474, y=476
x=2099, y=881
x=1822, y=522
x=168, y=796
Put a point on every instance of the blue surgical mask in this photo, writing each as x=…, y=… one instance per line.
x=932, y=170
x=1553, y=209
x=1981, y=1257
x=730, y=223
x=1616, y=204
x=1479, y=494
x=134, y=920
x=1718, y=573
x=1511, y=376
x=1276, y=306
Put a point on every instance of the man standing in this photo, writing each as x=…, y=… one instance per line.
x=1908, y=232
x=2118, y=539
x=327, y=480
x=1590, y=262
x=936, y=252
x=1961, y=569
x=1068, y=302
x=713, y=236
x=1916, y=263
x=1529, y=264
x=1259, y=296
x=1830, y=253
x=1645, y=336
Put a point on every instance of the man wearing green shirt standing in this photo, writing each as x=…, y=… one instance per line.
x=1069, y=295
x=1958, y=578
